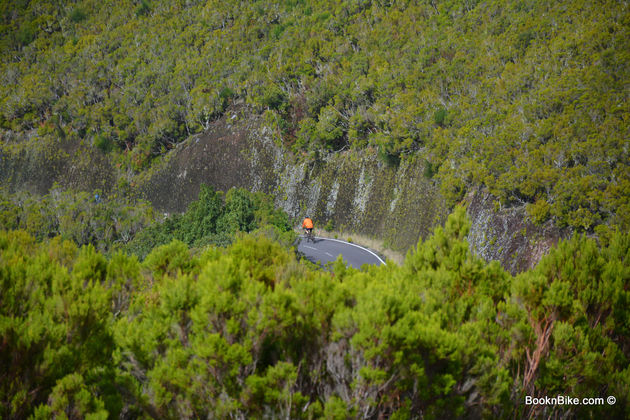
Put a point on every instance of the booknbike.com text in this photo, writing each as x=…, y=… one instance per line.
x=567, y=400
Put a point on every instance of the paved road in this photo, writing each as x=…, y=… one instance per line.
x=323, y=250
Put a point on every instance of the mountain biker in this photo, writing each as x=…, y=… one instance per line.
x=307, y=224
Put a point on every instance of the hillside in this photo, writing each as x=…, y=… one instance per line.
x=156, y=155
x=525, y=100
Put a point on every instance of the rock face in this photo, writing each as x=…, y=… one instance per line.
x=353, y=191
x=71, y=165
x=507, y=235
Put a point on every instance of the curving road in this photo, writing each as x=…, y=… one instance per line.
x=323, y=250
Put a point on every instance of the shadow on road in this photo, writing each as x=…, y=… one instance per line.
x=311, y=259
x=304, y=240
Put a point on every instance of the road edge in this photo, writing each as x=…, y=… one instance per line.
x=358, y=246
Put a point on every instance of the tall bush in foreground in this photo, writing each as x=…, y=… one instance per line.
x=55, y=319
x=248, y=331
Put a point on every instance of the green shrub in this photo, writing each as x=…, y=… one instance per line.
x=27, y=33
x=439, y=117
x=430, y=169
x=214, y=219
x=104, y=144
x=77, y=15
x=143, y=9
x=248, y=331
x=539, y=211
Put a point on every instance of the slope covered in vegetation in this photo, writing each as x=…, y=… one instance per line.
x=107, y=308
x=528, y=99
x=249, y=332
x=119, y=223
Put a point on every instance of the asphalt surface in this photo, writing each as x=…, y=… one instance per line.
x=323, y=250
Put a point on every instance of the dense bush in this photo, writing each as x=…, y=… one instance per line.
x=215, y=218
x=527, y=99
x=248, y=331
x=79, y=216
x=55, y=322
x=111, y=223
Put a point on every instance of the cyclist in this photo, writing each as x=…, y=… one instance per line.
x=307, y=224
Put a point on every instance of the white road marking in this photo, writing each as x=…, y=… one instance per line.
x=358, y=246
x=329, y=254
x=309, y=247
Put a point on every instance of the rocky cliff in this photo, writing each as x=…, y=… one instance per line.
x=36, y=165
x=354, y=192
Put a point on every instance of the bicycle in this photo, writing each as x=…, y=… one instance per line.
x=308, y=235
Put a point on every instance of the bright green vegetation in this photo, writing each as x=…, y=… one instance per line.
x=248, y=331
x=216, y=219
x=106, y=310
x=528, y=99
x=77, y=216
x=113, y=223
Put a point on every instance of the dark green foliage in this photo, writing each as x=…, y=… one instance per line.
x=214, y=219
x=77, y=15
x=248, y=331
x=76, y=215
x=103, y=143
x=272, y=97
x=429, y=169
x=391, y=159
x=238, y=214
x=202, y=215
x=440, y=117
x=27, y=33
x=226, y=95
x=143, y=8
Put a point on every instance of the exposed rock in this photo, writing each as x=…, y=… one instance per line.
x=355, y=191
x=507, y=235
x=215, y=158
x=352, y=189
x=38, y=167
